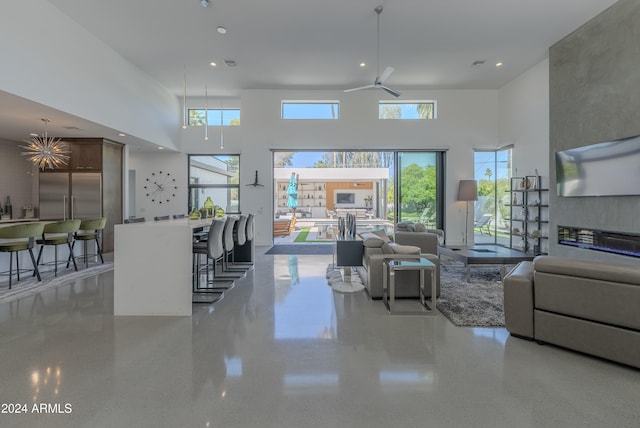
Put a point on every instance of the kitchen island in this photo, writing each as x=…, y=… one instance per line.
x=153, y=267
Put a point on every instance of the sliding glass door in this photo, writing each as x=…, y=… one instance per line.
x=420, y=188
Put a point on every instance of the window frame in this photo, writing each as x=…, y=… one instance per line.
x=433, y=103
x=329, y=103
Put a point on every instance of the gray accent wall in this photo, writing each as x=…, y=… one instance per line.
x=594, y=96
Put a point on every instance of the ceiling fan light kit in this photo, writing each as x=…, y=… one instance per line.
x=380, y=78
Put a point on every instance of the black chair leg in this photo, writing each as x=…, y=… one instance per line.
x=75, y=266
x=35, y=265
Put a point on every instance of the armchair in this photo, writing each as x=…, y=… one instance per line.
x=378, y=247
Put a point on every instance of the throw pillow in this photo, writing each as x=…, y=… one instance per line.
x=371, y=240
x=406, y=226
x=420, y=227
x=382, y=234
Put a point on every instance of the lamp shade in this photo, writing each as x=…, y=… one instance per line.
x=468, y=190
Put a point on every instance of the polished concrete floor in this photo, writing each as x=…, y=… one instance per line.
x=282, y=350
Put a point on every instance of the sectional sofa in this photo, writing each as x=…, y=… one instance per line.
x=588, y=306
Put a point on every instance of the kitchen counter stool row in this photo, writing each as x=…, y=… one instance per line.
x=25, y=236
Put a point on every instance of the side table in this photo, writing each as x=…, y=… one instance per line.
x=389, y=268
x=348, y=253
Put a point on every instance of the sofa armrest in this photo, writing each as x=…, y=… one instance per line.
x=518, y=300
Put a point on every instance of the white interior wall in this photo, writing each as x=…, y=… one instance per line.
x=524, y=120
x=100, y=89
x=144, y=164
x=18, y=179
x=56, y=62
x=466, y=119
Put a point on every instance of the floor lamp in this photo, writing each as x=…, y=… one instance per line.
x=467, y=191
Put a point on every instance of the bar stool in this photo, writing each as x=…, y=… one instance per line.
x=239, y=239
x=161, y=217
x=212, y=248
x=23, y=238
x=58, y=233
x=246, y=250
x=228, y=244
x=90, y=230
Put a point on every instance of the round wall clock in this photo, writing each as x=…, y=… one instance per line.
x=160, y=187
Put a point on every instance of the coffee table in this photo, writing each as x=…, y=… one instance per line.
x=485, y=255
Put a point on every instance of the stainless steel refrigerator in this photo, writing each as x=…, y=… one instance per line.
x=66, y=195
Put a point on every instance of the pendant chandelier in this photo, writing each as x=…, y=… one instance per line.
x=46, y=152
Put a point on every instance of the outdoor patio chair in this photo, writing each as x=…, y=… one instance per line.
x=483, y=224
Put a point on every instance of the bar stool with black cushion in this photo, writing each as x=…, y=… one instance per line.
x=239, y=239
x=90, y=230
x=20, y=237
x=244, y=254
x=212, y=248
x=58, y=233
x=228, y=244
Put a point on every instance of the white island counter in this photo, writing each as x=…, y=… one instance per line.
x=153, y=267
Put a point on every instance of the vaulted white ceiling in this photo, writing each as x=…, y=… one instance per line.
x=297, y=44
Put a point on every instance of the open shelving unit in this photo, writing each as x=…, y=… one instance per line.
x=528, y=215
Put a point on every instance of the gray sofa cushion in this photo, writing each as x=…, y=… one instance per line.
x=393, y=248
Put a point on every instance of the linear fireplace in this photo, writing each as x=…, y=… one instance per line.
x=627, y=244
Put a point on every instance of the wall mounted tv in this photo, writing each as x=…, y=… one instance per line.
x=611, y=168
x=345, y=198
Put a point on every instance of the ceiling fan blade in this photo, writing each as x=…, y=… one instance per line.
x=391, y=91
x=387, y=71
x=360, y=88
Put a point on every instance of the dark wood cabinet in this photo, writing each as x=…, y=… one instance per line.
x=85, y=156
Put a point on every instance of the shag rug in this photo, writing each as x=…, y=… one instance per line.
x=478, y=303
x=29, y=285
x=301, y=249
x=336, y=282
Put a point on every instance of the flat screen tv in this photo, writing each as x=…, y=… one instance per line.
x=603, y=169
x=345, y=198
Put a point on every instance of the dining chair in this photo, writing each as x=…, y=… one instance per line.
x=55, y=234
x=20, y=237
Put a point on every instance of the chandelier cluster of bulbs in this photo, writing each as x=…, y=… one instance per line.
x=46, y=152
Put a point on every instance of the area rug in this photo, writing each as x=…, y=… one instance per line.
x=301, y=249
x=27, y=287
x=478, y=303
x=336, y=282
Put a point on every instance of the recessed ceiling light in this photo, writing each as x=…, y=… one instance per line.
x=363, y=64
x=222, y=30
x=498, y=64
x=160, y=148
x=213, y=64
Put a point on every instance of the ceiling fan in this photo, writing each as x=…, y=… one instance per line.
x=380, y=78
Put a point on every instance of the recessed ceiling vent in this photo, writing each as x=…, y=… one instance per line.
x=230, y=63
x=72, y=128
x=478, y=62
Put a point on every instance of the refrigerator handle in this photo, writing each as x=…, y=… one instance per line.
x=64, y=207
x=73, y=205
